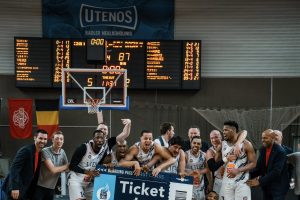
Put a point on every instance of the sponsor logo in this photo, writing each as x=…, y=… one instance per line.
x=20, y=118
x=124, y=17
x=182, y=179
x=103, y=193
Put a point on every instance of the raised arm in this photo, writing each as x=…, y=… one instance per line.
x=100, y=117
x=126, y=130
x=241, y=137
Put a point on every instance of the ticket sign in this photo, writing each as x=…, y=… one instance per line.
x=120, y=183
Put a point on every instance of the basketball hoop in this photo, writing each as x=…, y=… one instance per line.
x=93, y=105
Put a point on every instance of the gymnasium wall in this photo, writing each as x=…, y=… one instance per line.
x=150, y=108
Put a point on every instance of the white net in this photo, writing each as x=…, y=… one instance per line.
x=93, y=105
x=255, y=121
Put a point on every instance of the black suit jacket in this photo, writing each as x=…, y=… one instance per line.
x=21, y=176
x=274, y=177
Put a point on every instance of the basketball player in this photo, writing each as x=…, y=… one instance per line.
x=216, y=141
x=141, y=153
x=175, y=145
x=113, y=159
x=196, y=166
x=87, y=156
x=236, y=172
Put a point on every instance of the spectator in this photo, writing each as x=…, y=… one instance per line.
x=24, y=170
x=271, y=172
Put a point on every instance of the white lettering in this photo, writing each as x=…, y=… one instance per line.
x=124, y=183
x=135, y=190
x=145, y=190
x=141, y=190
x=87, y=19
x=153, y=192
x=128, y=15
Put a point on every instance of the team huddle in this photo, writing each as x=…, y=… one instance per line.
x=226, y=170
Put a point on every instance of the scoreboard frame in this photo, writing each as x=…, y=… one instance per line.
x=187, y=64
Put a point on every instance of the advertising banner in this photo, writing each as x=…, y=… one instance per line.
x=135, y=19
x=120, y=183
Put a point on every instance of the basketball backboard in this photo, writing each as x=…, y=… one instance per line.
x=83, y=88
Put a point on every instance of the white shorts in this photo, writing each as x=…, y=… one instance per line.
x=232, y=191
x=217, y=185
x=198, y=193
x=79, y=189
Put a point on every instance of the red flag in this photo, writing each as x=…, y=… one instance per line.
x=20, y=118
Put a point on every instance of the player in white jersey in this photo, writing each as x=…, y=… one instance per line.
x=119, y=153
x=141, y=153
x=175, y=145
x=236, y=173
x=87, y=156
x=196, y=167
x=167, y=132
x=218, y=171
x=113, y=159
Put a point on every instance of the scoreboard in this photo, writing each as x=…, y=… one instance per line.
x=166, y=64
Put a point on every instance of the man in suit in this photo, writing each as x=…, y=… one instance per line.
x=25, y=169
x=278, y=139
x=271, y=172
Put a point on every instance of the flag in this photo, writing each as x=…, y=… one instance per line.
x=20, y=118
x=47, y=115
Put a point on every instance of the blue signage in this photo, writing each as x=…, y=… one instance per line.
x=120, y=183
x=134, y=19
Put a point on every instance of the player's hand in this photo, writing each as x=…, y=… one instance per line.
x=15, y=194
x=237, y=150
x=232, y=173
x=156, y=171
x=93, y=173
x=231, y=158
x=253, y=182
x=145, y=168
x=182, y=174
x=110, y=166
x=219, y=148
x=222, y=171
x=137, y=169
x=126, y=121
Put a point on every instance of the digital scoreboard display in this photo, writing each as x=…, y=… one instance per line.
x=163, y=65
x=33, y=66
x=166, y=64
x=125, y=54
